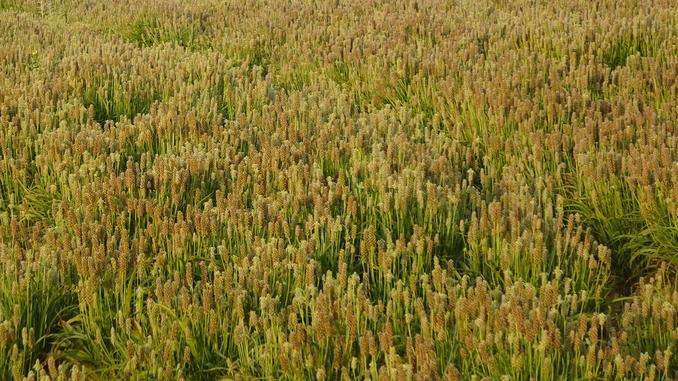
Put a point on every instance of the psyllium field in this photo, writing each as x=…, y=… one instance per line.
x=338, y=189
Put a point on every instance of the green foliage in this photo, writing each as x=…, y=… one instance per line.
x=34, y=300
x=148, y=31
x=110, y=102
x=627, y=45
x=635, y=222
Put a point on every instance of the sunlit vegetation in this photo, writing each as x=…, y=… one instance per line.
x=419, y=189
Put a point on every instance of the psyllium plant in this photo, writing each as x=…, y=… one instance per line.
x=338, y=190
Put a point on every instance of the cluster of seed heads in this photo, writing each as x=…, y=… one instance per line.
x=338, y=189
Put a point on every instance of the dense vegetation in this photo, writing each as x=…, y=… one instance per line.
x=338, y=189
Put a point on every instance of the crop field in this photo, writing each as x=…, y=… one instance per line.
x=338, y=189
